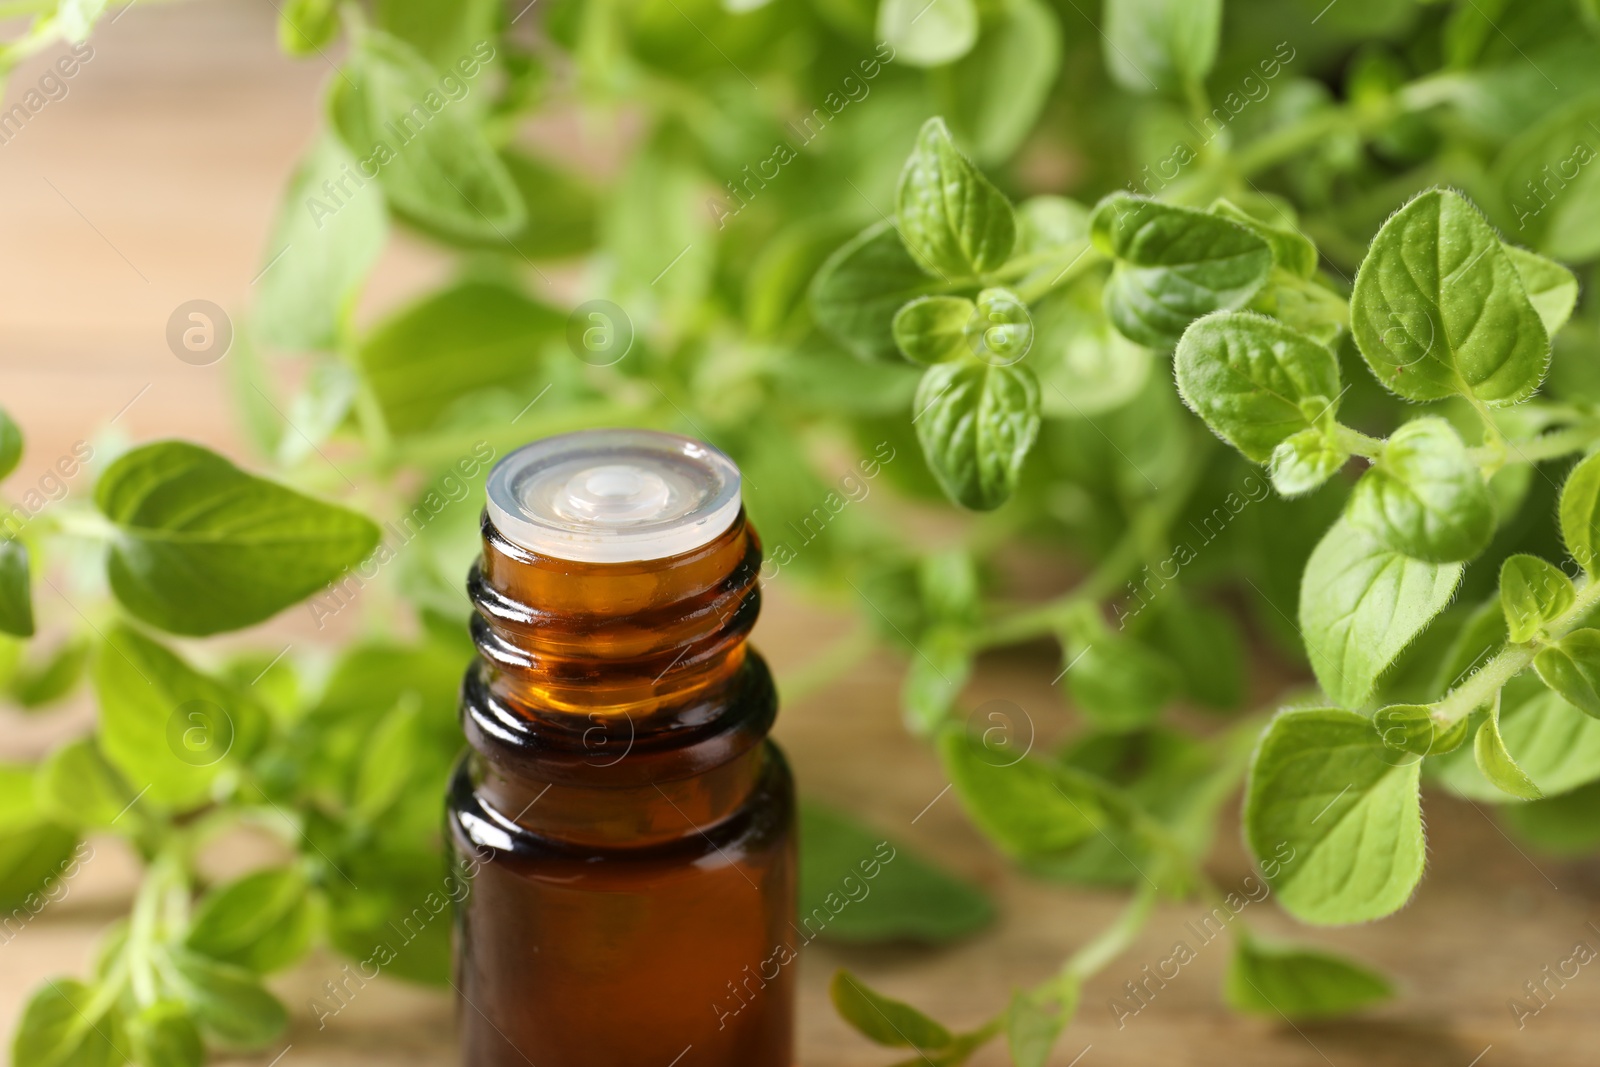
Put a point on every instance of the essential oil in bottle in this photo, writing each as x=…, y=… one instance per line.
x=626, y=823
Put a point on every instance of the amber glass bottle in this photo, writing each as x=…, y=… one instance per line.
x=626, y=823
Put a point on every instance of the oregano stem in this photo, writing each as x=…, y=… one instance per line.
x=1510, y=661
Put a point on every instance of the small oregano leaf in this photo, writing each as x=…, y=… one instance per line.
x=1424, y=496
x=1532, y=593
x=1250, y=378
x=1406, y=728
x=1173, y=265
x=16, y=594
x=1339, y=814
x=976, y=423
x=882, y=1020
x=1304, y=461
x=1552, y=288
x=928, y=35
x=1033, y=1023
x=1497, y=764
x=1572, y=668
x=933, y=329
x=1580, y=513
x=1000, y=330
x=1361, y=603
x=1439, y=309
x=953, y=220
x=1556, y=746
x=1299, y=981
x=202, y=547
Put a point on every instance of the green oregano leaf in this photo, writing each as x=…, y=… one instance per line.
x=1552, y=288
x=1000, y=330
x=1424, y=495
x=910, y=899
x=1361, y=603
x=1556, y=746
x=1572, y=668
x=10, y=444
x=1304, y=461
x=1406, y=728
x=1439, y=309
x=1161, y=46
x=230, y=1004
x=976, y=423
x=1033, y=1023
x=319, y=253
x=16, y=594
x=1334, y=817
x=1251, y=379
x=202, y=547
x=1497, y=764
x=164, y=1035
x=1532, y=593
x=307, y=26
x=262, y=922
x=1278, y=980
x=1580, y=513
x=1173, y=265
x=933, y=329
x=444, y=170
x=77, y=786
x=1291, y=249
x=953, y=220
x=883, y=1020
x=1026, y=807
x=859, y=289
x=54, y=1032
x=163, y=724
x=928, y=35
x=1116, y=682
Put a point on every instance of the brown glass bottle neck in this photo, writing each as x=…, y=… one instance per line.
x=617, y=702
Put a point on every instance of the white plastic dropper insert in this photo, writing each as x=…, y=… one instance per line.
x=613, y=496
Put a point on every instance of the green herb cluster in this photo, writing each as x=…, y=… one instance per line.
x=836, y=228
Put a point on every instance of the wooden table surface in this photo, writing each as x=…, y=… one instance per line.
x=153, y=182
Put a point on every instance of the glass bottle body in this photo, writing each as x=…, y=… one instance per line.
x=627, y=826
